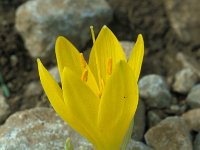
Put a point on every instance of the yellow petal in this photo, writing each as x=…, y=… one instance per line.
x=136, y=57
x=118, y=105
x=82, y=104
x=67, y=55
x=105, y=47
x=91, y=82
x=52, y=90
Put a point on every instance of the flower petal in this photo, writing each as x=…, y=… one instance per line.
x=105, y=47
x=67, y=55
x=82, y=104
x=118, y=105
x=136, y=57
x=52, y=90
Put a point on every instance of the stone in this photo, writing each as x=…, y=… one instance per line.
x=148, y=17
x=127, y=47
x=185, y=80
x=171, y=133
x=38, y=129
x=139, y=122
x=155, y=92
x=120, y=9
x=197, y=142
x=34, y=88
x=154, y=117
x=55, y=73
x=192, y=118
x=193, y=98
x=39, y=25
x=184, y=19
x=4, y=109
x=187, y=61
x=13, y=60
x=136, y=145
x=176, y=109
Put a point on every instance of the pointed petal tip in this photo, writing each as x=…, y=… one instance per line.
x=60, y=38
x=38, y=60
x=39, y=63
x=104, y=26
x=140, y=37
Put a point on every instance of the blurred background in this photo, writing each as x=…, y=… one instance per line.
x=169, y=81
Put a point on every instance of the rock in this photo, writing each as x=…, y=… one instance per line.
x=171, y=133
x=154, y=117
x=34, y=88
x=192, y=118
x=4, y=109
x=188, y=62
x=197, y=142
x=176, y=109
x=55, y=73
x=39, y=26
x=120, y=9
x=139, y=122
x=13, y=60
x=184, y=80
x=37, y=129
x=148, y=18
x=193, y=98
x=136, y=145
x=154, y=90
x=127, y=47
x=187, y=27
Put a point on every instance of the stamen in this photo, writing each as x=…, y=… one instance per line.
x=109, y=66
x=93, y=34
x=84, y=76
x=82, y=61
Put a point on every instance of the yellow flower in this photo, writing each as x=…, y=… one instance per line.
x=98, y=99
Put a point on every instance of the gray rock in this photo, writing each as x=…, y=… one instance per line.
x=120, y=9
x=171, y=133
x=197, y=142
x=139, y=122
x=127, y=47
x=176, y=109
x=34, y=88
x=136, y=145
x=184, y=80
x=41, y=22
x=188, y=62
x=155, y=92
x=4, y=109
x=55, y=73
x=38, y=129
x=192, y=119
x=187, y=27
x=149, y=18
x=154, y=117
x=193, y=98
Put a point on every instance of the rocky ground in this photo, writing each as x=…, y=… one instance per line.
x=168, y=115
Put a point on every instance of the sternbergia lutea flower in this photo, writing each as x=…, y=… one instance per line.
x=98, y=99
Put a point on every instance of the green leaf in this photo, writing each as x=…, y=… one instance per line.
x=68, y=145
